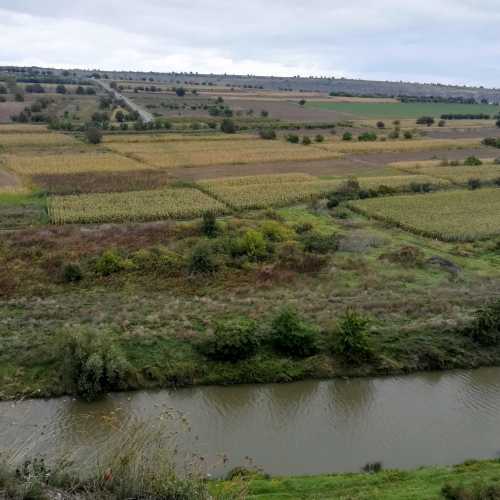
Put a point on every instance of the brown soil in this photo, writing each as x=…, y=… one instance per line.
x=7, y=109
x=7, y=179
x=462, y=132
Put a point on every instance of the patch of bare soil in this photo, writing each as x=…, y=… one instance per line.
x=8, y=179
x=462, y=132
x=7, y=109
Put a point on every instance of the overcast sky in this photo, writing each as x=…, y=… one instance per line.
x=448, y=41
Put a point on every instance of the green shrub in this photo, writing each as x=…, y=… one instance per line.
x=333, y=200
x=347, y=136
x=350, y=337
x=477, y=491
x=92, y=363
x=209, y=226
x=485, y=326
x=159, y=260
x=293, y=138
x=203, y=259
x=292, y=256
x=380, y=124
x=319, y=243
x=292, y=335
x=319, y=138
x=408, y=135
x=72, y=272
x=233, y=340
x=274, y=231
x=267, y=133
x=394, y=134
x=111, y=262
x=93, y=135
x=472, y=161
x=251, y=245
x=303, y=227
x=367, y=137
x=228, y=126
x=306, y=140
x=474, y=183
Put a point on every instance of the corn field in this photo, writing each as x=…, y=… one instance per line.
x=446, y=215
x=182, y=203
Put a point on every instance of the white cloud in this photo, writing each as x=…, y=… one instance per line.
x=441, y=40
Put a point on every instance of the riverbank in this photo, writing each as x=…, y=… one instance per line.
x=473, y=479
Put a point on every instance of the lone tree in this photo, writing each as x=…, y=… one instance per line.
x=93, y=135
x=180, y=92
x=228, y=126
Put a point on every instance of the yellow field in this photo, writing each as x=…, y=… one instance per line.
x=201, y=153
x=69, y=162
x=337, y=146
x=172, y=137
x=460, y=174
x=447, y=215
x=132, y=206
x=405, y=166
x=36, y=139
x=9, y=128
x=266, y=190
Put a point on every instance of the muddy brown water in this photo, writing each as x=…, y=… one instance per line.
x=301, y=428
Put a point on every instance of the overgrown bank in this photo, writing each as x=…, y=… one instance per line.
x=473, y=480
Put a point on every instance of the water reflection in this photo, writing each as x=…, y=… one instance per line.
x=302, y=428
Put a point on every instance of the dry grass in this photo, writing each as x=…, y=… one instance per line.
x=134, y=206
x=69, y=163
x=9, y=128
x=280, y=190
x=36, y=139
x=448, y=215
x=460, y=174
x=172, y=137
x=336, y=146
x=200, y=153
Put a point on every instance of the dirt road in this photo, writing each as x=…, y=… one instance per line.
x=146, y=116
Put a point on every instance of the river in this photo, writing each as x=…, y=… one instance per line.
x=300, y=428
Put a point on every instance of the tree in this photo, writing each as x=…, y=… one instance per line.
x=425, y=120
x=380, y=125
x=80, y=90
x=120, y=116
x=347, y=136
x=93, y=135
x=228, y=126
x=264, y=113
x=180, y=92
x=61, y=89
x=302, y=102
x=3, y=89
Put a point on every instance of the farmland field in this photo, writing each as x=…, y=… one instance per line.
x=32, y=163
x=402, y=110
x=134, y=206
x=449, y=216
x=266, y=191
x=46, y=139
x=459, y=173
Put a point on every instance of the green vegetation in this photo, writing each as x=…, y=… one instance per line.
x=386, y=111
x=470, y=481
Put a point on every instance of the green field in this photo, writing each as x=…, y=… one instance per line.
x=402, y=110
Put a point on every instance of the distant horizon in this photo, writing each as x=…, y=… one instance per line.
x=197, y=73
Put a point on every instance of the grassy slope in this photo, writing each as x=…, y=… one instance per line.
x=420, y=484
x=156, y=320
x=402, y=110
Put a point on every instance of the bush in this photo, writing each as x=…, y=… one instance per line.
x=252, y=245
x=292, y=257
x=349, y=188
x=158, y=260
x=333, y=200
x=306, y=140
x=380, y=125
x=233, y=340
x=111, y=262
x=292, y=335
x=485, y=326
x=92, y=363
x=203, y=259
x=93, y=135
x=303, y=227
x=267, y=133
x=472, y=161
x=209, y=226
x=394, y=134
x=350, y=339
x=408, y=135
x=367, y=137
x=319, y=138
x=293, y=138
x=441, y=123
x=319, y=243
x=425, y=120
x=474, y=183
x=274, y=231
x=477, y=491
x=228, y=126
x=408, y=256
x=347, y=136
x=72, y=273
x=491, y=141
